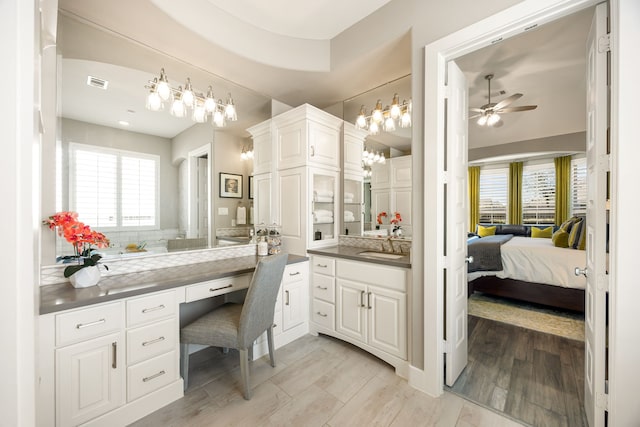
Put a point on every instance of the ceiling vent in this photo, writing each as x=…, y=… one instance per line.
x=97, y=82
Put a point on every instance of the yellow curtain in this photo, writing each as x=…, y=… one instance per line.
x=474, y=197
x=515, y=193
x=563, y=188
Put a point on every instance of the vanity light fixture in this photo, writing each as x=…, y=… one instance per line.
x=370, y=157
x=247, y=153
x=181, y=100
x=387, y=118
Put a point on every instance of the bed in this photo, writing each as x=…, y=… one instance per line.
x=532, y=270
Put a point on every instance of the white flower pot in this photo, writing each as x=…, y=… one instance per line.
x=85, y=277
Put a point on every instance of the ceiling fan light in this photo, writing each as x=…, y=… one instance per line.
x=493, y=119
x=482, y=120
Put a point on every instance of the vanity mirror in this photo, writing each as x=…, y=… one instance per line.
x=385, y=185
x=147, y=179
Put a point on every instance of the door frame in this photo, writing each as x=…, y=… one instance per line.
x=512, y=21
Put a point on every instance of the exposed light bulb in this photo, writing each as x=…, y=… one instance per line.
x=389, y=124
x=187, y=95
x=199, y=114
x=376, y=114
x=376, y=158
x=163, y=88
x=361, y=121
x=483, y=120
x=405, y=120
x=178, y=109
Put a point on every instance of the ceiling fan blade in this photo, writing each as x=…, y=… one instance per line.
x=514, y=109
x=477, y=110
x=474, y=116
x=507, y=101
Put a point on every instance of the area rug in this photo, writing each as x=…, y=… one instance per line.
x=530, y=316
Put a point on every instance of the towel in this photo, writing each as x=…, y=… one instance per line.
x=241, y=215
x=348, y=200
x=349, y=196
x=323, y=193
x=349, y=217
x=323, y=220
x=323, y=199
x=323, y=212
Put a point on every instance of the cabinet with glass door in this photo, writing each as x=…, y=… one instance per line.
x=352, y=214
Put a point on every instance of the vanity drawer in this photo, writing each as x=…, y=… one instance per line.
x=151, y=375
x=217, y=287
x=151, y=307
x=324, y=288
x=295, y=272
x=148, y=341
x=87, y=323
x=324, y=265
x=323, y=314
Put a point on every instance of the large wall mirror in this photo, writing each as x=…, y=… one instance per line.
x=378, y=194
x=166, y=170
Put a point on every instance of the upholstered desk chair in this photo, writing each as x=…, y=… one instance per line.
x=239, y=325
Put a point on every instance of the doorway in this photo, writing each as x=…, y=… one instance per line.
x=438, y=267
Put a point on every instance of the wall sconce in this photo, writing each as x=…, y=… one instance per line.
x=182, y=100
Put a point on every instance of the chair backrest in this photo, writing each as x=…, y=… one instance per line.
x=259, y=304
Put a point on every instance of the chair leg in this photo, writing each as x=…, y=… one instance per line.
x=244, y=372
x=184, y=364
x=272, y=354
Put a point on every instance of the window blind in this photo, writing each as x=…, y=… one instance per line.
x=494, y=185
x=112, y=188
x=579, y=187
x=538, y=193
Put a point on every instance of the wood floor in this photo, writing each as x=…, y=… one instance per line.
x=318, y=381
x=531, y=376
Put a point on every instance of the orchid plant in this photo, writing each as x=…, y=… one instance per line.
x=81, y=237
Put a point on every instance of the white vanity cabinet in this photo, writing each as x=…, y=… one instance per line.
x=362, y=303
x=110, y=363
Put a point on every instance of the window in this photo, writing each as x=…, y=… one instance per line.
x=493, y=195
x=113, y=188
x=539, y=193
x=579, y=187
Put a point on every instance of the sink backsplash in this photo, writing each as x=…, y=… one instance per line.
x=375, y=243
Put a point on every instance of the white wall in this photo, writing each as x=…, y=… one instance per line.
x=19, y=217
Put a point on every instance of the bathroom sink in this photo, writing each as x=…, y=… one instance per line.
x=383, y=255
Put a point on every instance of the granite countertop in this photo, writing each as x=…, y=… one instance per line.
x=63, y=296
x=355, y=253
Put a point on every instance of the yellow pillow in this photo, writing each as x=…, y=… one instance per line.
x=577, y=235
x=486, y=231
x=544, y=233
x=560, y=239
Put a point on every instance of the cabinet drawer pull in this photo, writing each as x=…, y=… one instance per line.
x=313, y=151
x=149, y=310
x=321, y=287
x=114, y=355
x=146, y=379
x=86, y=325
x=146, y=343
x=321, y=314
x=322, y=265
x=362, y=299
x=369, y=300
x=294, y=274
x=286, y=294
x=219, y=289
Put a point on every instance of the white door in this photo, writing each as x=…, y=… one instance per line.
x=597, y=166
x=456, y=214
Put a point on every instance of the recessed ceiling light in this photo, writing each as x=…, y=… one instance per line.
x=123, y=123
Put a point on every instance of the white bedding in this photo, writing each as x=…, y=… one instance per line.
x=539, y=261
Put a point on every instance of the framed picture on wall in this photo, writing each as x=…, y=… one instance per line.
x=250, y=189
x=230, y=185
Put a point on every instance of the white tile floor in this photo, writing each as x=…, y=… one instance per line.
x=318, y=381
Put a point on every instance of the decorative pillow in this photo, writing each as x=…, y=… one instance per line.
x=568, y=224
x=544, y=233
x=577, y=235
x=560, y=239
x=486, y=231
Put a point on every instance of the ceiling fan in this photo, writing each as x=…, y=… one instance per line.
x=489, y=114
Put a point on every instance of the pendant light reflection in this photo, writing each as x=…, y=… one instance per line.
x=387, y=118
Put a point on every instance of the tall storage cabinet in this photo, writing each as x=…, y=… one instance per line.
x=353, y=180
x=305, y=188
